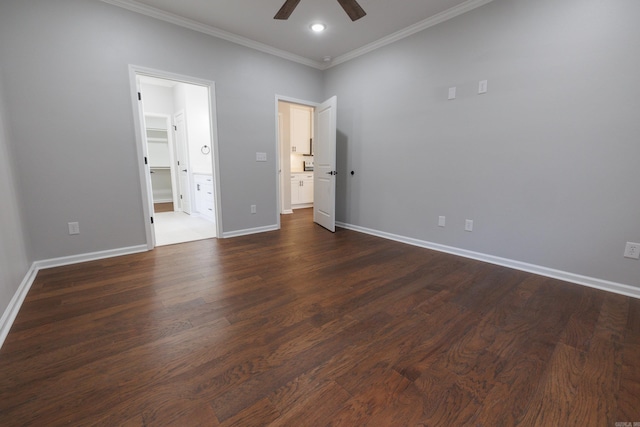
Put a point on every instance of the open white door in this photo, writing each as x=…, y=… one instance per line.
x=148, y=197
x=324, y=177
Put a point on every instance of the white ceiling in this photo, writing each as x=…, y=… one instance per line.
x=251, y=23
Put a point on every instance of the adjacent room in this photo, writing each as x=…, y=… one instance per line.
x=408, y=213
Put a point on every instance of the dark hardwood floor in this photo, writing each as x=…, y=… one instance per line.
x=302, y=327
x=163, y=207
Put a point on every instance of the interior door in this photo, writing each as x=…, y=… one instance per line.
x=147, y=168
x=324, y=188
x=183, y=162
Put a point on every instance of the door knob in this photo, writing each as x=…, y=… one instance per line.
x=184, y=170
x=332, y=173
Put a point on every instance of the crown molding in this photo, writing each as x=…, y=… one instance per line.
x=212, y=31
x=156, y=13
x=406, y=32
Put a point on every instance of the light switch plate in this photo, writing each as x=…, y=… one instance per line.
x=74, y=228
x=452, y=93
x=468, y=225
x=442, y=221
x=483, y=86
x=261, y=157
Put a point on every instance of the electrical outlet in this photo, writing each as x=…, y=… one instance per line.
x=468, y=225
x=632, y=250
x=253, y=209
x=74, y=228
x=442, y=221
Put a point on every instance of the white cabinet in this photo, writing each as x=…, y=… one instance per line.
x=204, y=195
x=301, y=129
x=301, y=190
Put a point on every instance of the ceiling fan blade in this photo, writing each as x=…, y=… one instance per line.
x=287, y=9
x=353, y=9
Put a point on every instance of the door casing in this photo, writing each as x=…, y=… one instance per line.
x=143, y=170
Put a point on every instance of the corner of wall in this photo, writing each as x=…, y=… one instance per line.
x=14, y=254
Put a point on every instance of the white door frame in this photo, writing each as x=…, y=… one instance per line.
x=145, y=180
x=280, y=181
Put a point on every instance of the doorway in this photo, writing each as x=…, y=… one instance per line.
x=295, y=139
x=316, y=187
x=178, y=151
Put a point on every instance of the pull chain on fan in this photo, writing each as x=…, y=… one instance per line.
x=353, y=9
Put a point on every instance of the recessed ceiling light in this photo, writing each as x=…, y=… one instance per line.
x=318, y=28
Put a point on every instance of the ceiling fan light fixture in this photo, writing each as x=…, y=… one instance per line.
x=318, y=27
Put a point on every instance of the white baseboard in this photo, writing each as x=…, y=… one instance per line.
x=92, y=256
x=302, y=206
x=9, y=315
x=287, y=212
x=592, y=282
x=248, y=231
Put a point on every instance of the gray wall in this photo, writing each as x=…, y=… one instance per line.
x=65, y=65
x=14, y=260
x=545, y=163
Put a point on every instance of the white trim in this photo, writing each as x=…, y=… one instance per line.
x=592, y=282
x=212, y=31
x=91, y=256
x=11, y=312
x=9, y=315
x=287, y=211
x=252, y=44
x=410, y=30
x=302, y=206
x=248, y=231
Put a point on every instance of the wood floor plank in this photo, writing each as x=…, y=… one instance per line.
x=628, y=402
x=596, y=400
x=305, y=327
x=553, y=402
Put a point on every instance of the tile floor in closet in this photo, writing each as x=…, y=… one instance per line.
x=178, y=227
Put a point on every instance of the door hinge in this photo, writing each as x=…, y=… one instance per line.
x=181, y=197
x=175, y=127
x=151, y=220
x=139, y=96
x=145, y=161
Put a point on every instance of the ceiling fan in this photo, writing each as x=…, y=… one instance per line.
x=353, y=9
